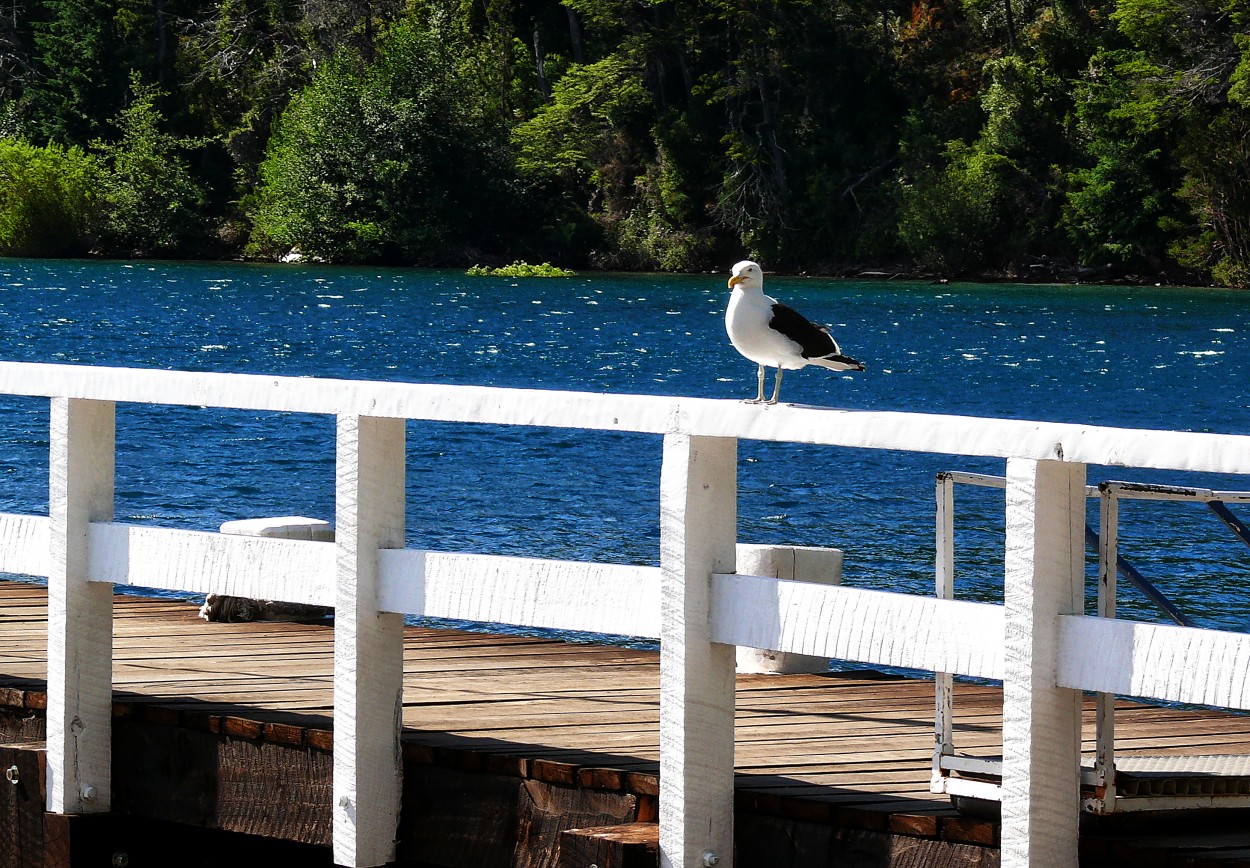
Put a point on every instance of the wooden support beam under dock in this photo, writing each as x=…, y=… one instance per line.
x=524, y=752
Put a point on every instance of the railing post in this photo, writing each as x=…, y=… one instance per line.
x=698, y=527
x=1045, y=567
x=944, y=589
x=368, y=644
x=80, y=613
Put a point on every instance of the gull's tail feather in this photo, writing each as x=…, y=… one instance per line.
x=838, y=362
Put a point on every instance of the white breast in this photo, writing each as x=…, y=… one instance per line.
x=747, y=321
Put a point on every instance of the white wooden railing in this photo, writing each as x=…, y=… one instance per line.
x=1038, y=642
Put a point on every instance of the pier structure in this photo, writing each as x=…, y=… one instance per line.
x=1039, y=642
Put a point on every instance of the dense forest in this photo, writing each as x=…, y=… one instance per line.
x=1087, y=139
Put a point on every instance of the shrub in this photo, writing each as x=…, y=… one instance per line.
x=953, y=219
x=153, y=202
x=47, y=202
x=521, y=269
x=389, y=160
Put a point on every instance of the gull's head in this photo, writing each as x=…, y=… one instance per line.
x=748, y=275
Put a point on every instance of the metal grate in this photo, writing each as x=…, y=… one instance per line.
x=1210, y=775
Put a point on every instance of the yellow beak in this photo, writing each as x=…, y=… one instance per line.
x=735, y=280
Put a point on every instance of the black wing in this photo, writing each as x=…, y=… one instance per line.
x=815, y=341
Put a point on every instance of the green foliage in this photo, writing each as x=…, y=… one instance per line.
x=949, y=218
x=592, y=141
x=810, y=112
x=591, y=109
x=1239, y=81
x=74, y=86
x=521, y=269
x=992, y=203
x=240, y=62
x=1119, y=211
x=152, y=200
x=1217, y=190
x=374, y=162
x=47, y=199
x=1167, y=129
x=963, y=135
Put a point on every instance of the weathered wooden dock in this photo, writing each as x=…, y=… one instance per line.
x=222, y=736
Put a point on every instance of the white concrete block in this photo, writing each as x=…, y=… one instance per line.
x=282, y=527
x=302, y=588
x=801, y=563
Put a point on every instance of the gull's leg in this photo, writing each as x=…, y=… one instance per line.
x=759, y=395
x=776, y=388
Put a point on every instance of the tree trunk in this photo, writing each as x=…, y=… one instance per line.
x=575, y=36
x=540, y=64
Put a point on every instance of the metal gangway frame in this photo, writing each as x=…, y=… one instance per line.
x=1158, y=782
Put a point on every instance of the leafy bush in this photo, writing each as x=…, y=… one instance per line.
x=950, y=219
x=46, y=199
x=390, y=161
x=153, y=203
x=521, y=269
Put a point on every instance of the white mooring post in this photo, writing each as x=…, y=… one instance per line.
x=80, y=613
x=368, y=644
x=698, y=526
x=1045, y=570
x=817, y=565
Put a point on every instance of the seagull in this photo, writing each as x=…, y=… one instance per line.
x=773, y=335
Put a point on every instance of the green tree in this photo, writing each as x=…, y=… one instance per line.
x=809, y=117
x=16, y=58
x=616, y=139
x=78, y=82
x=1217, y=190
x=951, y=217
x=1002, y=188
x=239, y=63
x=1177, y=86
x=153, y=202
x=391, y=161
x=47, y=199
x=1120, y=209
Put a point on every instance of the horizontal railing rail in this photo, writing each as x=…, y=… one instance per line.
x=650, y=414
x=1038, y=642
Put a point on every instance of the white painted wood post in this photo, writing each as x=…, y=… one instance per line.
x=80, y=613
x=368, y=644
x=698, y=526
x=817, y=565
x=944, y=589
x=1045, y=565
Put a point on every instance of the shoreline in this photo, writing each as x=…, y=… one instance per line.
x=1039, y=274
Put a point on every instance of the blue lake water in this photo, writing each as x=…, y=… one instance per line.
x=1134, y=357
